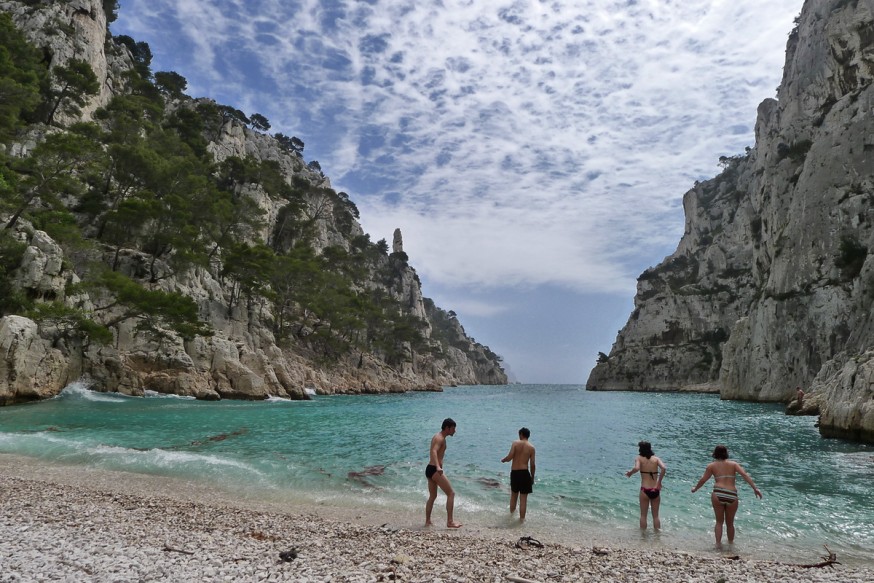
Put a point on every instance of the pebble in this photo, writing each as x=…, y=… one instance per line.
x=55, y=530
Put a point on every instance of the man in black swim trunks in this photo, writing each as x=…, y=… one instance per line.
x=521, y=479
x=434, y=473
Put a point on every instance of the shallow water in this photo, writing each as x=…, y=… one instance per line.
x=352, y=451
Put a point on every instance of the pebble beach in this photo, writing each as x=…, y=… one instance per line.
x=61, y=523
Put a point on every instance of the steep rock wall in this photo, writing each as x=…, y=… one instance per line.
x=771, y=282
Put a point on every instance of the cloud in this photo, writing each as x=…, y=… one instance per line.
x=512, y=141
x=478, y=308
x=516, y=143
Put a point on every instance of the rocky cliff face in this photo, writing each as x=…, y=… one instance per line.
x=75, y=29
x=771, y=284
x=243, y=358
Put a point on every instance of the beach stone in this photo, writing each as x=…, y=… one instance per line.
x=45, y=533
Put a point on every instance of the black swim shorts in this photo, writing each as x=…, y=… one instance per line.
x=521, y=482
x=430, y=470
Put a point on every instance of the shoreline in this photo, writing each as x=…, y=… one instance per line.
x=83, y=524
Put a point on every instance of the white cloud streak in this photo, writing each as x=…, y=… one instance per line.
x=534, y=153
x=521, y=142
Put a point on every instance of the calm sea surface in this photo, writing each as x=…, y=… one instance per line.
x=352, y=451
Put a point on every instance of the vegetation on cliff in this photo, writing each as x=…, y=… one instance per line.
x=139, y=178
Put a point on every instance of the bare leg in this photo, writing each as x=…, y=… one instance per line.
x=730, y=511
x=523, y=506
x=654, y=504
x=719, y=512
x=429, y=505
x=513, y=496
x=644, y=507
x=442, y=481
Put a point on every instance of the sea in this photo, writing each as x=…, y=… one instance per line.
x=370, y=451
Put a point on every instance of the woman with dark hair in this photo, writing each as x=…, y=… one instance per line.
x=652, y=471
x=724, y=497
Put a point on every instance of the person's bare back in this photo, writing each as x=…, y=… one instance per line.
x=521, y=471
x=521, y=452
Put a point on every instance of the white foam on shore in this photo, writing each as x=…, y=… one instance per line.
x=81, y=390
x=275, y=399
x=48, y=445
x=156, y=395
x=54, y=447
x=162, y=458
x=285, y=400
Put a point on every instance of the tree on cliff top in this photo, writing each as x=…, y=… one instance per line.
x=110, y=7
x=171, y=83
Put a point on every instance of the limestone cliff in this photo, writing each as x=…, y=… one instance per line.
x=771, y=284
x=244, y=357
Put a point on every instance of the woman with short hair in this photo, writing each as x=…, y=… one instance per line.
x=724, y=496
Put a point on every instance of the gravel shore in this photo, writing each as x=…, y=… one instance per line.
x=73, y=524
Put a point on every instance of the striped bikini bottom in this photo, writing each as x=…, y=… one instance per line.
x=726, y=496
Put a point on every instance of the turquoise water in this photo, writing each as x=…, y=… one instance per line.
x=352, y=451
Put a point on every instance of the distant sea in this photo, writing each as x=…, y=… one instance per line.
x=370, y=451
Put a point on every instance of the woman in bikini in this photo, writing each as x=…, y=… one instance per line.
x=652, y=470
x=724, y=497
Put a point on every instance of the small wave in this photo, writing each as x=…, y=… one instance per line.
x=52, y=446
x=309, y=391
x=168, y=458
x=48, y=444
x=156, y=395
x=81, y=390
x=275, y=399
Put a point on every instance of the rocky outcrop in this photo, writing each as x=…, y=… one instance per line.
x=30, y=368
x=75, y=29
x=242, y=358
x=846, y=397
x=770, y=285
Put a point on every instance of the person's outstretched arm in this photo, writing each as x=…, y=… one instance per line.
x=707, y=473
x=635, y=469
x=509, y=456
x=748, y=480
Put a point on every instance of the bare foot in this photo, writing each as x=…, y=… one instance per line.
x=428, y=523
x=453, y=525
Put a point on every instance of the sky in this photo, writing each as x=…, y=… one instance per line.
x=534, y=153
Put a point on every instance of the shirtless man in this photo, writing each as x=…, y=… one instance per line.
x=521, y=479
x=436, y=477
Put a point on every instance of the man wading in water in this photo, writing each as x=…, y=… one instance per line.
x=436, y=477
x=521, y=479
